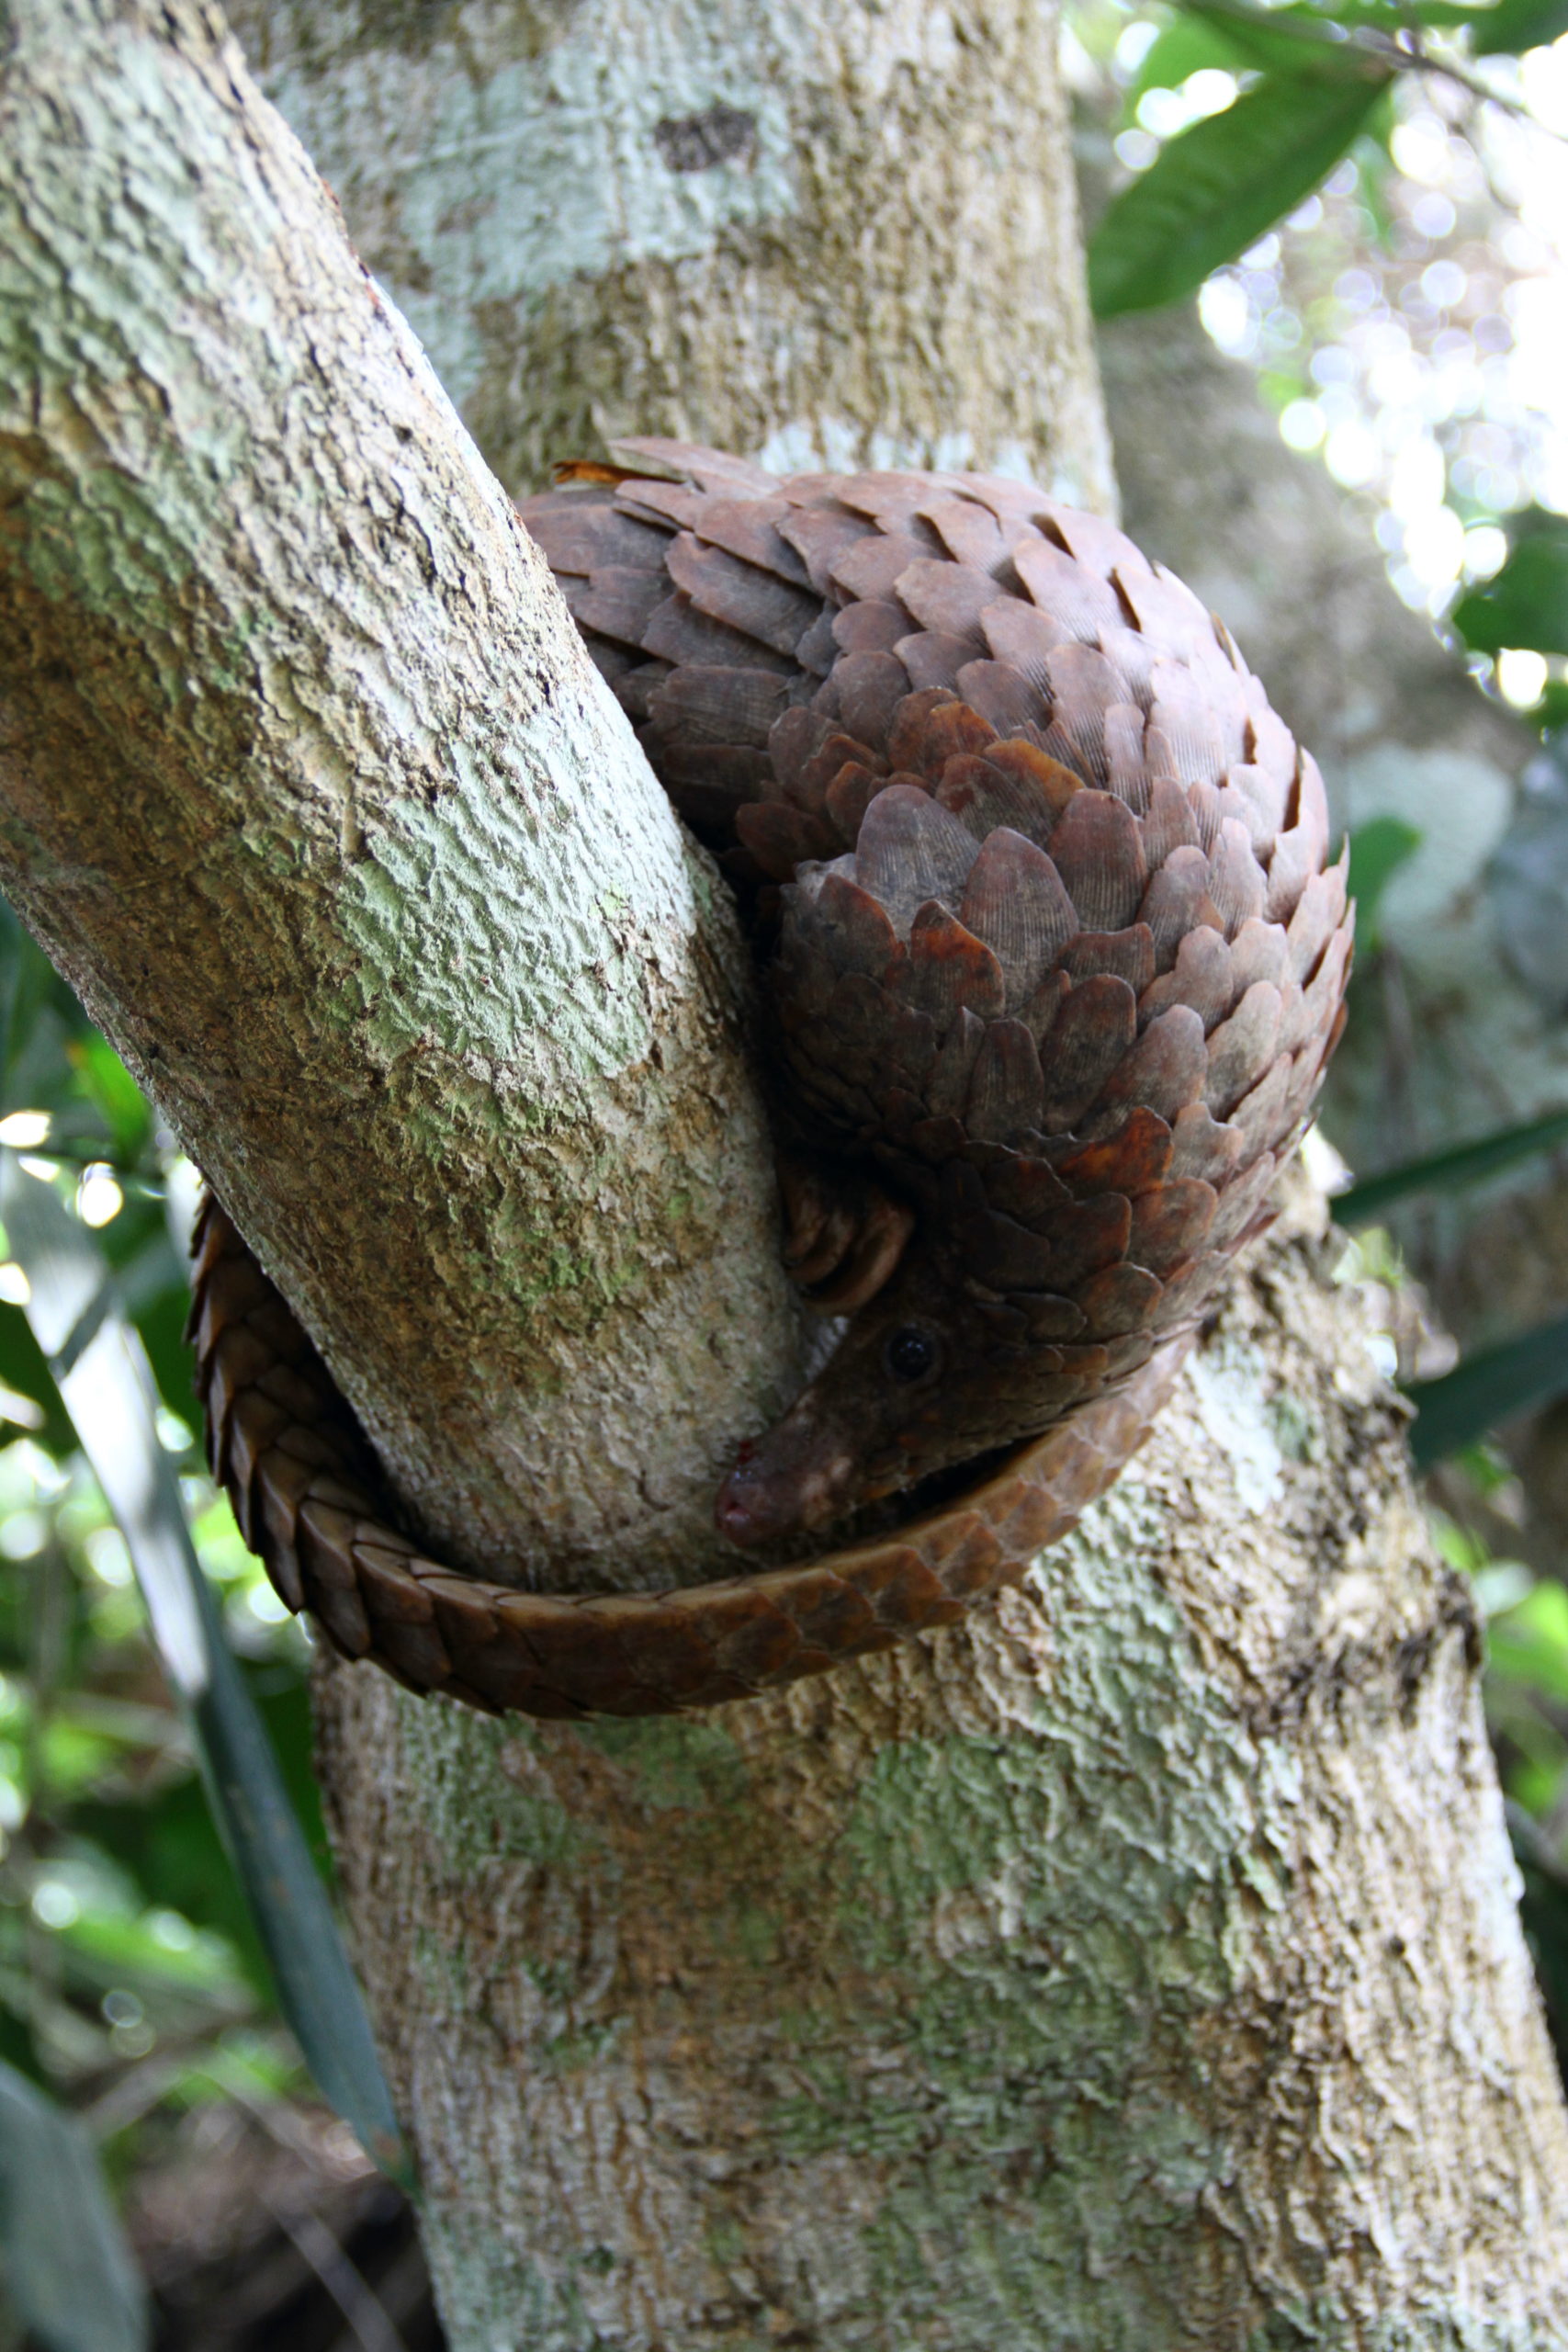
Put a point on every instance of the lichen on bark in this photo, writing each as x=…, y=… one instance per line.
x=880, y=269
x=1135, y=1966
x=1094, y=1974
x=309, y=786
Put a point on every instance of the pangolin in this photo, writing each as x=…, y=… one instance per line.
x=1053, y=966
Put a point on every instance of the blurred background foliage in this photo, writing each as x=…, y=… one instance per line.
x=135, y=1990
x=1367, y=203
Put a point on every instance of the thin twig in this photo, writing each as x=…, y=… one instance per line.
x=370, y=2325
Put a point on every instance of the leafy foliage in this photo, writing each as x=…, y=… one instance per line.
x=1487, y=1389
x=1447, y=1172
x=134, y=1985
x=1526, y=1703
x=1216, y=187
x=1378, y=850
x=1525, y=604
x=1315, y=80
x=67, y=2266
x=1512, y=27
x=101, y=1371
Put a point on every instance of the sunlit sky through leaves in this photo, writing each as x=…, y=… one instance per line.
x=1409, y=323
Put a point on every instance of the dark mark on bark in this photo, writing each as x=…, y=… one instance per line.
x=695, y=143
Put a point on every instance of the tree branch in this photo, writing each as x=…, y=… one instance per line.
x=308, y=786
x=1131, y=1966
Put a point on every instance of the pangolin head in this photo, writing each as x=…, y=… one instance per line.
x=927, y=1375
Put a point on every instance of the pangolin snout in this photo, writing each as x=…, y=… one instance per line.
x=782, y=1485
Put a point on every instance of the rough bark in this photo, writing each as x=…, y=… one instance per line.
x=1135, y=1968
x=840, y=235
x=308, y=786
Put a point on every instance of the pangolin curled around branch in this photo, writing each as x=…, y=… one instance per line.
x=1054, y=968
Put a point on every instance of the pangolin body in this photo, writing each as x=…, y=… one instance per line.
x=1055, y=969
x=1058, y=961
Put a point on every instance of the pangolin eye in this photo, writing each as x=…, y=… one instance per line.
x=909, y=1353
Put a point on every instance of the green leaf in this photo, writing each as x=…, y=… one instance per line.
x=1379, y=15
x=1234, y=35
x=1186, y=46
x=1214, y=189
x=27, y=982
x=120, y=1949
x=103, y=1377
x=1487, y=1388
x=1506, y=28
x=1525, y=605
x=1529, y=1644
x=167, y=1842
x=110, y=1086
x=23, y=1371
x=53, y=1059
x=161, y=1321
x=68, y=2271
x=1552, y=711
x=1448, y=1172
x=1288, y=40
x=1378, y=850
x=1514, y=26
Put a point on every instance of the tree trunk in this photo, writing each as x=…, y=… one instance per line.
x=1136, y=1968
x=1133, y=1967
x=839, y=234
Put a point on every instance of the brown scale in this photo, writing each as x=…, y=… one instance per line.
x=1057, y=970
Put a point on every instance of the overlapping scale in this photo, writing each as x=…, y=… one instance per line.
x=1095, y=848
x=1057, y=967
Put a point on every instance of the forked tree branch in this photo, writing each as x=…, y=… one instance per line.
x=1134, y=1965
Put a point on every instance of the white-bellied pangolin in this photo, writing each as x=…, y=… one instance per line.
x=1052, y=977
